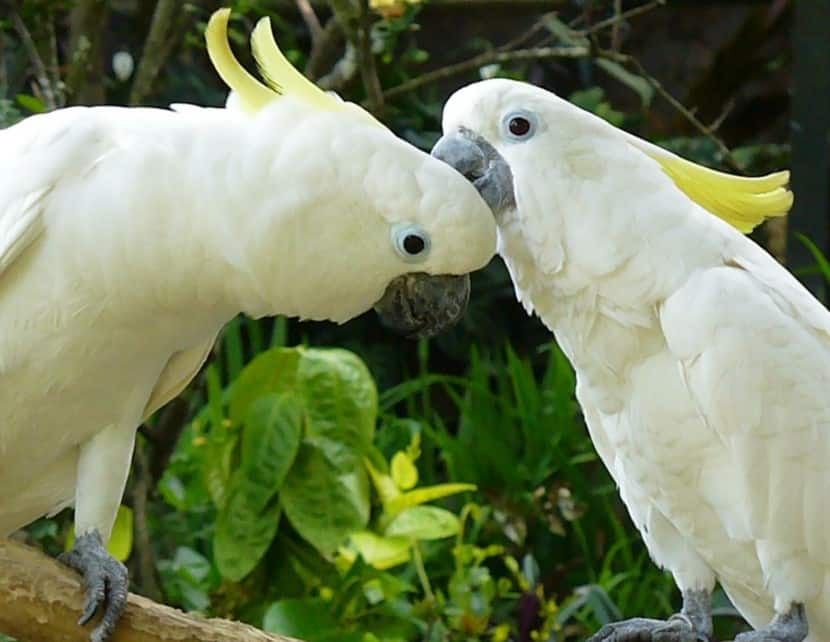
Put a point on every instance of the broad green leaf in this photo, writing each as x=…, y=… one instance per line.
x=302, y=618
x=243, y=535
x=424, y=495
x=219, y=462
x=403, y=470
x=381, y=552
x=342, y=402
x=248, y=521
x=120, y=544
x=424, y=522
x=271, y=439
x=323, y=504
x=271, y=372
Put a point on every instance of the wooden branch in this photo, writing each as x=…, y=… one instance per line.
x=88, y=25
x=41, y=600
x=368, y=67
x=705, y=130
x=155, y=49
x=487, y=58
x=310, y=19
x=41, y=73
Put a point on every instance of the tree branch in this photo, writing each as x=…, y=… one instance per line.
x=85, y=74
x=156, y=49
x=622, y=16
x=41, y=74
x=708, y=132
x=368, y=67
x=486, y=58
x=310, y=19
x=42, y=599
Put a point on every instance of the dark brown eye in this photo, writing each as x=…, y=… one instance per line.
x=519, y=126
x=414, y=244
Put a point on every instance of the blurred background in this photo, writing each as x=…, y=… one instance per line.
x=541, y=548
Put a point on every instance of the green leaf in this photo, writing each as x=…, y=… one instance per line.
x=121, y=539
x=424, y=495
x=248, y=521
x=640, y=85
x=271, y=372
x=381, y=552
x=563, y=32
x=308, y=619
x=424, y=522
x=384, y=485
x=270, y=441
x=243, y=535
x=403, y=470
x=324, y=505
x=32, y=103
x=342, y=403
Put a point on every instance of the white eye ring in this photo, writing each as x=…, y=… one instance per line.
x=519, y=125
x=411, y=242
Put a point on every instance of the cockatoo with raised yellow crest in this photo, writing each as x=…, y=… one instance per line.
x=129, y=237
x=703, y=366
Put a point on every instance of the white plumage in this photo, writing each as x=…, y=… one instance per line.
x=128, y=237
x=703, y=366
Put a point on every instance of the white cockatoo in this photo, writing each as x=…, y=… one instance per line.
x=129, y=237
x=703, y=366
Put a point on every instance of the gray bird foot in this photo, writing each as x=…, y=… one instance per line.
x=693, y=624
x=105, y=581
x=785, y=627
x=677, y=628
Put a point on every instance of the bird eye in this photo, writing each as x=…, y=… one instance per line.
x=520, y=125
x=411, y=241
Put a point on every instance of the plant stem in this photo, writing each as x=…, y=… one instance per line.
x=422, y=572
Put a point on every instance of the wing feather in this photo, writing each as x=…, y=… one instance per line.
x=755, y=348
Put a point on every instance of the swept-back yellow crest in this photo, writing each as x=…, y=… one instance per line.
x=281, y=78
x=742, y=201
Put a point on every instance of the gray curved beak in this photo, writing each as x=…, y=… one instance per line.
x=481, y=164
x=419, y=305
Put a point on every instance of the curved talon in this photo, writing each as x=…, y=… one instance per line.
x=105, y=582
x=676, y=629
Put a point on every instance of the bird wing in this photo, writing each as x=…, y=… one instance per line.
x=179, y=371
x=753, y=347
x=37, y=155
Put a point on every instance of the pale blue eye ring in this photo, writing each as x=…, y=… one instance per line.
x=411, y=242
x=519, y=125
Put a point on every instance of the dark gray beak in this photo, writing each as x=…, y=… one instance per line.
x=420, y=305
x=481, y=164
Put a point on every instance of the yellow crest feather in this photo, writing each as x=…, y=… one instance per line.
x=253, y=94
x=281, y=78
x=281, y=75
x=741, y=201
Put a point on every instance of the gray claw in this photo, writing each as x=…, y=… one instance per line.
x=105, y=581
x=785, y=627
x=676, y=629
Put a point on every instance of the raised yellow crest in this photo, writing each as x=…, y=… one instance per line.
x=281, y=78
x=743, y=202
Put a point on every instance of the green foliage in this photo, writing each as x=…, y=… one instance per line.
x=299, y=423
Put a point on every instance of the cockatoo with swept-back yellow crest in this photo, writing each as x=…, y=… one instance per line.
x=703, y=366
x=129, y=237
